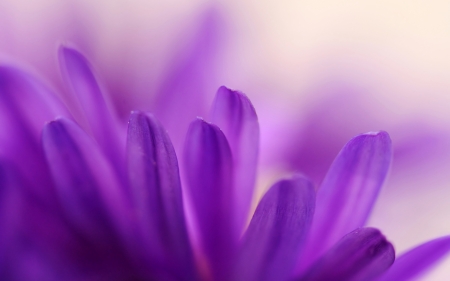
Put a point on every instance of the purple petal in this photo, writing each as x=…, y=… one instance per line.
x=363, y=254
x=87, y=186
x=9, y=208
x=102, y=124
x=26, y=98
x=277, y=232
x=348, y=192
x=156, y=189
x=29, y=232
x=191, y=78
x=209, y=175
x=92, y=203
x=418, y=260
x=233, y=112
x=25, y=106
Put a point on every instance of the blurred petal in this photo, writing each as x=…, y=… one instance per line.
x=191, y=78
x=28, y=232
x=362, y=254
x=209, y=175
x=8, y=211
x=25, y=106
x=27, y=99
x=102, y=124
x=155, y=184
x=348, y=192
x=233, y=112
x=418, y=260
x=86, y=184
x=277, y=232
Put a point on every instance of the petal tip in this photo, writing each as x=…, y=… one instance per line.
x=381, y=134
x=223, y=90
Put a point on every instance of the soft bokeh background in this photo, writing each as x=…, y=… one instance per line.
x=319, y=72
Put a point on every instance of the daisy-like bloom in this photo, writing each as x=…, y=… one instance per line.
x=87, y=199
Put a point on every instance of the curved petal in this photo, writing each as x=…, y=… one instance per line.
x=25, y=106
x=418, y=260
x=26, y=98
x=30, y=234
x=156, y=191
x=348, y=192
x=191, y=78
x=233, y=112
x=9, y=208
x=87, y=186
x=363, y=254
x=277, y=232
x=102, y=123
x=209, y=175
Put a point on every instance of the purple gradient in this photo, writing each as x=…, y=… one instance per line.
x=80, y=203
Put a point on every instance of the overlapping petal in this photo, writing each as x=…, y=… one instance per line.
x=417, y=260
x=348, y=192
x=277, y=232
x=32, y=234
x=102, y=123
x=26, y=104
x=363, y=254
x=209, y=178
x=88, y=189
x=9, y=206
x=94, y=223
x=235, y=115
x=185, y=90
x=27, y=99
x=156, y=193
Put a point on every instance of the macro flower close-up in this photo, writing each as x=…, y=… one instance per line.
x=105, y=203
x=123, y=158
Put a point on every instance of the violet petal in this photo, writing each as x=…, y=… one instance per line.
x=209, y=174
x=191, y=77
x=30, y=234
x=363, y=254
x=348, y=192
x=9, y=208
x=86, y=184
x=28, y=99
x=417, y=260
x=233, y=112
x=26, y=104
x=156, y=191
x=277, y=232
x=102, y=123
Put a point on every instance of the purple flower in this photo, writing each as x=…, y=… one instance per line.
x=87, y=199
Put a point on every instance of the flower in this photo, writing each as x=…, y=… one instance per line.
x=80, y=201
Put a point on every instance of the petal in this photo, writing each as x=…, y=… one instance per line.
x=277, y=231
x=105, y=129
x=191, y=78
x=25, y=106
x=9, y=208
x=233, y=112
x=156, y=189
x=363, y=254
x=27, y=99
x=208, y=167
x=348, y=192
x=88, y=188
x=29, y=232
x=418, y=260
